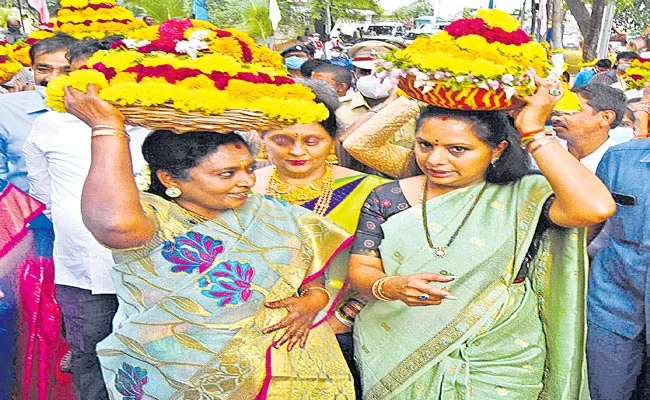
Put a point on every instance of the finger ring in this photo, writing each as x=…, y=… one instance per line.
x=554, y=92
x=299, y=331
x=423, y=297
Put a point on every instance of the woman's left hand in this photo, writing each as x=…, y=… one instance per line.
x=301, y=313
x=539, y=105
x=92, y=110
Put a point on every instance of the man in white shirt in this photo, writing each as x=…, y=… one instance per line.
x=586, y=131
x=57, y=154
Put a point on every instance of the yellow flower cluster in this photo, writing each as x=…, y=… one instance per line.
x=21, y=48
x=83, y=21
x=287, y=102
x=8, y=65
x=470, y=61
x=637, y=74
x=497, y=18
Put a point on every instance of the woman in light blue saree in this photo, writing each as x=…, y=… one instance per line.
x=221, y=293
x=476, y=270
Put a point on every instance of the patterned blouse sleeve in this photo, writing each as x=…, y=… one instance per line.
x=369, y=234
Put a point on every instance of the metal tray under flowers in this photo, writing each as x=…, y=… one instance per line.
x=466, y=98
x=169, y=118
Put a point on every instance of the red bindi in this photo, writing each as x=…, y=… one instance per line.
x=238, y=146
x=444, y=118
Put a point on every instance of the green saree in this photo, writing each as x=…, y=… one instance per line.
x=500, y=339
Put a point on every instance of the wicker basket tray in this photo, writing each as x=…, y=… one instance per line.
x=167, y=117
x=469, y=98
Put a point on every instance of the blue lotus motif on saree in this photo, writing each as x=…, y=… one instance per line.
x=230, y=282
x=130, y=381
x=191, y=251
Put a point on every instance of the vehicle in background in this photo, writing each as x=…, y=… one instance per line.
x=384, y=31
x=426, y=30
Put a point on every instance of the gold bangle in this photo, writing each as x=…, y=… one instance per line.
x=305, y=291
x=540, y=145
x=109, y=132
x=120, y=128
x=377, y=288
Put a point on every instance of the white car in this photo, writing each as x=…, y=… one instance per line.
x=426, y=30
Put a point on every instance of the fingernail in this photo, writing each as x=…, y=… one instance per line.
x=452, y=277
x=450, y=297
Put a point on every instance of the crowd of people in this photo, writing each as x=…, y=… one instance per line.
x=393, y=250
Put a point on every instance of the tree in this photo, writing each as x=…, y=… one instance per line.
x=343, y=9
x=160, y=10
x=588, y=23
x=256, y=20
x=632, y=16
x=411, y=11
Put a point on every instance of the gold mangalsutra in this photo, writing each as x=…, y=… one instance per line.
x=321, y=188
x=441, y=251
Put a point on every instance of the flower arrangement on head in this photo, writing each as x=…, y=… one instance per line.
x=192, y=67
x=638, y=73
x=94, y=18
x=481, y=63
x=8, y=64
x=21, y=46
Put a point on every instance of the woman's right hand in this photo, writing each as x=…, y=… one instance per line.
x=409, y=288
x=92, y=110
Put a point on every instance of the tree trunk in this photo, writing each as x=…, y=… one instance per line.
x=589, y=24
x=533, y=17
x=558, y=19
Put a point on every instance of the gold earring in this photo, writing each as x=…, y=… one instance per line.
x=173, y=192
x=331, y=158
x=262, y=155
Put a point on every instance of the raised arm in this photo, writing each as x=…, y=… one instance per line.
x=581, y=199
x=370, y=142
x=110, y=203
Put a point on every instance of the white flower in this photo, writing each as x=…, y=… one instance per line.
x=507, y=79
x=510, y=91
x=143, y=178
x=494, y=85
x=199, y=35
x=460, y=78
x=482, y=85
x=134, y=44
x=438, y=75
x=190, y=47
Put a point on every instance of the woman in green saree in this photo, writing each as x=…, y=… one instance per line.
x=219, y=291
x=476, y=269
x=303, y=173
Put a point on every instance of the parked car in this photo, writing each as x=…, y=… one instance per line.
x=425, y=30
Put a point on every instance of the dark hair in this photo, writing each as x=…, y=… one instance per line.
x=58, y=42
x=339, y=73
x=604, y=98
x=87, y=47
x=627, y=54
x=490, y=127
x=310, y=65
x=604, y=63
x=325, y=95
x=177, y=154
x=566, y=77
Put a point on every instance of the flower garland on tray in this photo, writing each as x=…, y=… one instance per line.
x=193, y=66
x=94, y=18
x=638, y=73
x=489, y=52
x=8, y=64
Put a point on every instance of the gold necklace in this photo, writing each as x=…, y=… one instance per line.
x=322, y=188
x=192, y=215
x=441, y=251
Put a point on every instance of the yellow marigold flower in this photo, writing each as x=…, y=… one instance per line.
x=197, y=23
x=149, y=33
x=124, y=77
x=497, y=18
x=196, y=82
x=227, y=45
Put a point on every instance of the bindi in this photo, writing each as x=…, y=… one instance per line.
x=238, y=146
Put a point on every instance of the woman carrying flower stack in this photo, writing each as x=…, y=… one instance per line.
x=484, y=298
x=304, y=173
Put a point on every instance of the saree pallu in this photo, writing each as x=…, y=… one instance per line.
x=191, y=307
x=347, y=199
x=500, y=339
x=30, y=319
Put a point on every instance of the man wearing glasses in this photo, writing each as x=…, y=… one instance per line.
x=18, y=110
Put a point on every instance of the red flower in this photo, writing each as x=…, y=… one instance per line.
x=220, y=79
x=476, y=26
x=168, y=72
x=222, y=34
x=109, y=72
x=281, y=80
x=247, y=54
x=3, y=59
x=636, y=77
x=174, y=28
x=162, y=44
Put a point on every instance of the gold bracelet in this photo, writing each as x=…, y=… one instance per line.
x=540, y=145
x=305, y=291
x=109, y=132
x=120, y=128
x=377, y=288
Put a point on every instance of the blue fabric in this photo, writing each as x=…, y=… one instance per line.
x=614, y=364
x=343, y=62
x=583, y=77
x=200, y=10
x=19, y=111
x=618, y=281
